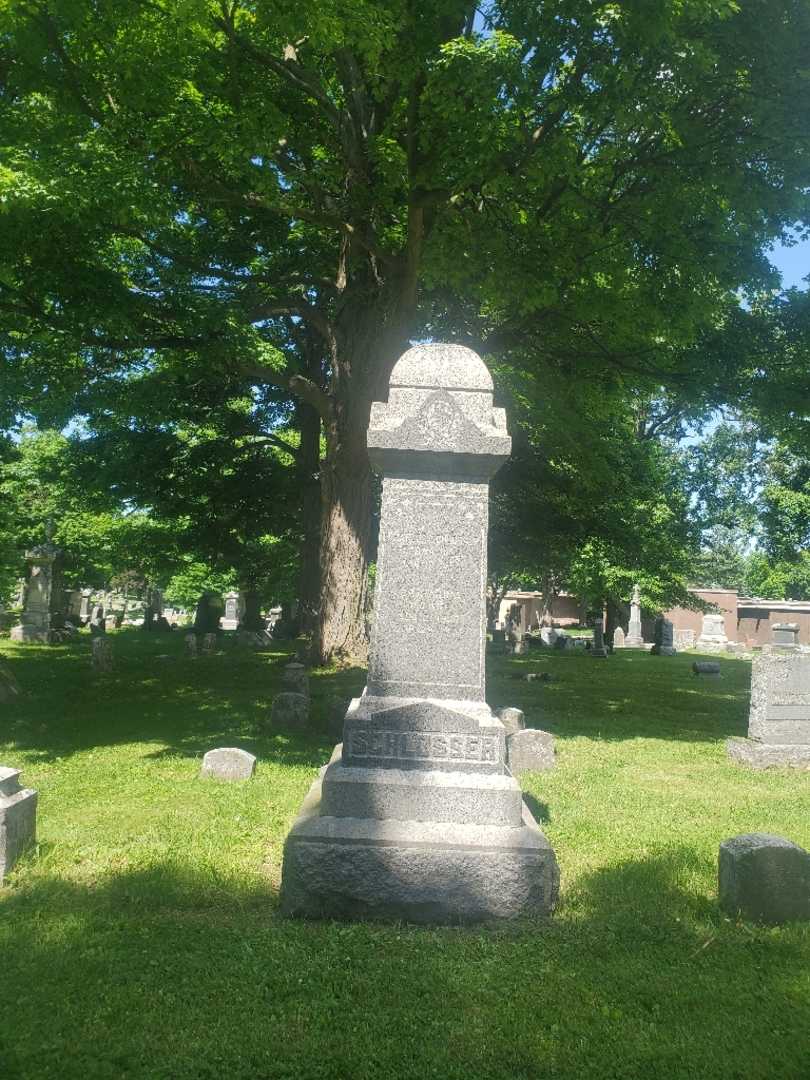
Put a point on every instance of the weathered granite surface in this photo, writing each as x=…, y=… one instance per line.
x=618, y=638
x=779, y=717
x=663, y=638
x=764, y=877
x=598, y=649
x=42, y=617
x=295, y=679
x=512, y=719
x=290, y=710
x=228, y=763
x=18, y=818
x=101, y=654
x=530, y=750
x=706, y=667
x=417, y=815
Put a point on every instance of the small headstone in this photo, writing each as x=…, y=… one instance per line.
x=520, y=647
x=548, y=635
x=683, y=639
x=764, y=877
x=9, y=687
x=335, y=716
x=295, y=679
x=190, y=642
x=706, y=667
x=228, y=763
x=618, y=638
x=18, y=818
x=512, y=719
x=98, y=624
x=785, y=635
x=530, y=750
x=662, y=638
x=290, y=710
x=208, y=645
x=713, y=634
x=101, y=655
x=598, y=649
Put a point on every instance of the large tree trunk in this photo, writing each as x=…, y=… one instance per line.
x=369, y=343
x=308, y=464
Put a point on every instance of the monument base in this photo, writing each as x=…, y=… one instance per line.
x=757, y=755
x=438, y=872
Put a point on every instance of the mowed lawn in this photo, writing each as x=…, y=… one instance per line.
x=142, y=939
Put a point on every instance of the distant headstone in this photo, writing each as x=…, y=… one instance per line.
x=18, y=818
x=635, y=638
x=765, y=878
x=43, y=615
x=662, y=638
x=9, y=687
x=530, y=750
x=618, y=638
x=228, y=763
x=335, y=715
x=713, y=635
x=98, y=623
x=101, y=655
x=290, y=710
x=512, y=719
x=548, y=635
x=706, y=667
x=208, y=645
x=779, y=717
x=598, y=649
x=234, y=609
x=683, y=639
x=295, y=679
x=86, y=605
x=206, y=615
x=190, y=643
x=785, y=635
x=112, y=622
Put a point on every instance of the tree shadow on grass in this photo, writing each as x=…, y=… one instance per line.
x=187, y=705
x=184, y=973
x=630, y=695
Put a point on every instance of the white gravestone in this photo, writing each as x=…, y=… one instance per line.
x=228, y=763
x=635, y=638
x=417, y=815
x=713, y=634
x=234, y=610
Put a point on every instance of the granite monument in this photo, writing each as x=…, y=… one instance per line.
x=417, y=816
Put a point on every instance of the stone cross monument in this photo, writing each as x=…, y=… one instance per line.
x=44, y=599
x=635, y=638
x=417, y=815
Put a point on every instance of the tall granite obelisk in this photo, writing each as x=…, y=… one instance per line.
x=417, y=815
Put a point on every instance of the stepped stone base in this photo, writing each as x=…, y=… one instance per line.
x=757, y=755
x=33, y=634
x=447, y=872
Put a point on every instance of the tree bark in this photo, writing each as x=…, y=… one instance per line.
x=371, y=336
x=308, y=466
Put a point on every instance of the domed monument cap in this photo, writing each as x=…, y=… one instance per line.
x=439, y=418
x=449, y=367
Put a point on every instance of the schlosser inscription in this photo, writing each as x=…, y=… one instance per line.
x=416, y=745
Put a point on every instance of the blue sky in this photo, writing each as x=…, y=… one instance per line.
x=793, y=263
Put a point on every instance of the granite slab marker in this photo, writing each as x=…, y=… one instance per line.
x=779, y=716
x=18, y=818
x=417, y=815
x=228, y=763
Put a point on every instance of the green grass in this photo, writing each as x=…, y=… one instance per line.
x=141, y=938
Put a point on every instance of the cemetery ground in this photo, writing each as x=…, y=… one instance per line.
x=141, y=938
